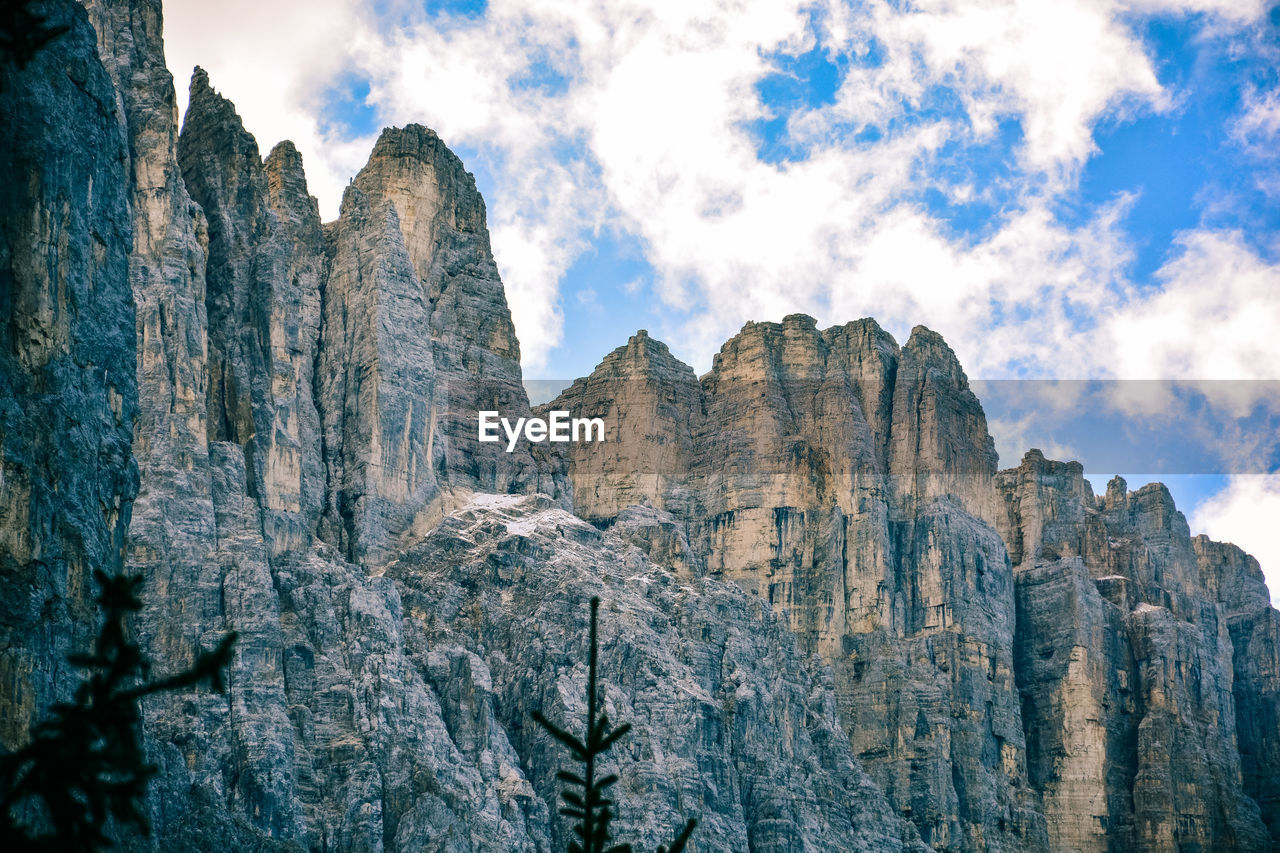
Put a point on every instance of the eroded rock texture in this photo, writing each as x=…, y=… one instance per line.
x=833, y=623
x=848, y=481
x=731, y=723
x=1146, y=662
x=68, y=393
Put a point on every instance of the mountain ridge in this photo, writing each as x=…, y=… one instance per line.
x=838, y=625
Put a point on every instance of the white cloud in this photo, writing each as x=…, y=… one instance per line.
x=641, y=122
x=1259, y=125
x=273, y=60
x=1245, y=514
x=1059, y=66
x=1214, y=316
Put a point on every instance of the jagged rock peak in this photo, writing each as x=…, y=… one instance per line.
x=287, y=189
x=930, y=349
x=642, y=353
x=209, y=112
x=412, y=167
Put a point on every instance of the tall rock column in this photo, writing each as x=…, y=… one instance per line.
x=376, y=391
x=1254, y=626
x=939, y=670
x=173, y=520
x=477, y=357
x=410, y=251
x=265, y=270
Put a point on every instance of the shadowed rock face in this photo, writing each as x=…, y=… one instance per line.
x=833, y=623
x=68, y=393
x=266, y=263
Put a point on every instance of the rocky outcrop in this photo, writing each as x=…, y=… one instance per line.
x=723, y=705
x=832, y=622
x=847, y=481
x=1130, y=672
x=68, y=393
x=651, y=405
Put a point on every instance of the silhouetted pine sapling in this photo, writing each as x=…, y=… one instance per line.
x=585, y=795
x=84, y=766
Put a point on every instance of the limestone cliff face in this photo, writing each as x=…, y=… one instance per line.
x=651, y=405
x=1254, y=625
x=265, y=265
x=1018, y=663
x=833, y=623
x=417, y=340
x=1146, y=662
x=848, y=481
x=68, y=393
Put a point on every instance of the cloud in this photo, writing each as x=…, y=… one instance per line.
x=1214, y=315
x=1245, y=513
x=275, y=61
x=1059, y=66
x=644, y=116
x=1258, y=126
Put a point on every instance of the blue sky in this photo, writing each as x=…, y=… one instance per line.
x=1076, y=189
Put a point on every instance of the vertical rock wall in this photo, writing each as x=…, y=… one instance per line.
x=1130, y=671
x=68, y=393
x=849, y=482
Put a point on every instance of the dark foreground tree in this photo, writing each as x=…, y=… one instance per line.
x=585, y=796
x=84, y=767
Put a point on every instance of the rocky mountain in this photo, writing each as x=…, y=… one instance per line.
x=844, y=479
x=832, y=622
x=1146, y=660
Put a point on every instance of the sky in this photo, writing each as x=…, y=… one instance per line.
x=1081, y=189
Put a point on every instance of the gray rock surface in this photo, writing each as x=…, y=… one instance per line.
x=1235, y=578
x=731, y=724
x=1143, y=700
x=68, y=396
x=848, y=482
x=833, y=624
x=265, y=266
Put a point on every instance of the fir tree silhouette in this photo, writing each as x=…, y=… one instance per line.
x=84, y=766
x=585, y=795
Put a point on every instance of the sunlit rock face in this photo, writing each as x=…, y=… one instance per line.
x=1019, y=664
x=849, y=482
x=832, y=622
x=1146, y=661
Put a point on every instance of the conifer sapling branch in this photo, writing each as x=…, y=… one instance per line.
x=585, y=795
x=85, y=766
